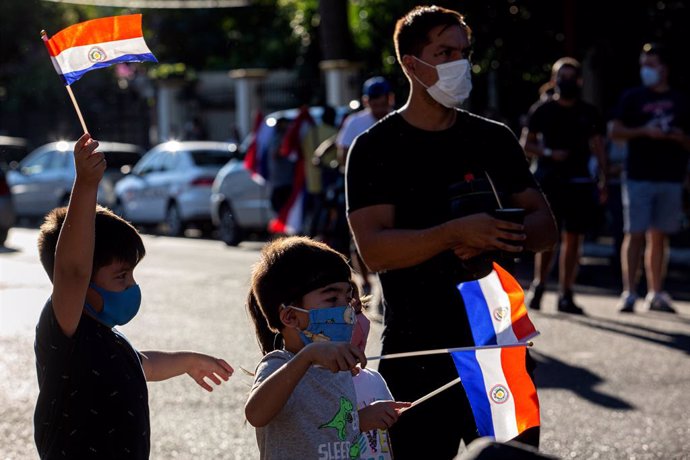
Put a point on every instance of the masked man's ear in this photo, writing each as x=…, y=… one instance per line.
x=408, y=63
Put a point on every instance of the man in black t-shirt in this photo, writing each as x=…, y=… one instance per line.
x=655, y=121
x=562, y=134
x=418, y=197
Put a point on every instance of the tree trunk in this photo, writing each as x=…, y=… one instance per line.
x=334, y=31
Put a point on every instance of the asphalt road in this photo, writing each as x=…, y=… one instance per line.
x=611, y=386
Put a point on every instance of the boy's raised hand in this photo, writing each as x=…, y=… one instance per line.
x=89, y=164
x=203, y=366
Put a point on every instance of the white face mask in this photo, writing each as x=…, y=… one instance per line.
x=454, y=82
x=649, y=76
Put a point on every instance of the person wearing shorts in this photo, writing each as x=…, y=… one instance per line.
x=654, y=120
x=562, y=133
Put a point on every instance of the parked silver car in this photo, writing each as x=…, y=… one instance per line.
x=171, y=185
x=240, y=202
x=43, y=179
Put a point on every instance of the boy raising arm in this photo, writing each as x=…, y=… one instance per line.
x=93, y=400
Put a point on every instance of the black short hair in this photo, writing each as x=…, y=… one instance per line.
x=412, y=30
x=115, y=240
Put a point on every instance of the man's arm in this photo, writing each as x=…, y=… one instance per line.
x=384, y=247
x=540, y=225
x=75, y=246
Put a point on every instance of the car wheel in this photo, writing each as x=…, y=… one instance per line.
x=228, y=230
x=173, y=221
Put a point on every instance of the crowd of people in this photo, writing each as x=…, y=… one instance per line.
x=421, y=190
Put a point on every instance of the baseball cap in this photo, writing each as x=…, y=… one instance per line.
x=375, y=87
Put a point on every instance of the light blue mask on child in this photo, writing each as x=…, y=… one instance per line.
x=118, y=307
x=334, y=324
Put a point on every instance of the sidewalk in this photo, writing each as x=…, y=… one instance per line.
x=600, y=272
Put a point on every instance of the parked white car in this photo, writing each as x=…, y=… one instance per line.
x=171, y=185
x=240, y=203
x=43, y=179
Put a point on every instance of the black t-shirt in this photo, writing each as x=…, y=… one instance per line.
x=567, y=128
x=422, y=173
x=93, y=399
x=654, y=159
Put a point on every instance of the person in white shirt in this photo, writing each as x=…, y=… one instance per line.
x=378, y=100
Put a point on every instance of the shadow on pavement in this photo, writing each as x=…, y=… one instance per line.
x=675, y=341
x=553, y=373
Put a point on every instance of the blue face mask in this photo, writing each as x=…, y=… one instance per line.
x=649, y=76
x=333, y=324
x=118, y=307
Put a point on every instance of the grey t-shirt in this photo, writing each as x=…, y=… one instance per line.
x=319, y=420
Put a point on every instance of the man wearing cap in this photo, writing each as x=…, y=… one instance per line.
x=378, y=100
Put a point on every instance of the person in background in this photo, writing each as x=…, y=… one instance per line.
x=562, y=133
x=311, y=140
x=378, y=100
x=403, y=177
x=93, y=398
x=654, y=120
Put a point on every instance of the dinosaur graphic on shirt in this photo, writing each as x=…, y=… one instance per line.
x=341, y=418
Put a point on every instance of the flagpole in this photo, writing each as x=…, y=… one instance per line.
x=44, y=37
x=432, y=394
x=448, y=350
x=76, y=107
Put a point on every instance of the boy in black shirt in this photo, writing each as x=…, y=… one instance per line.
x=93, y=400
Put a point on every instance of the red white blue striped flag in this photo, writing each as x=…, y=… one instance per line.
x=98, y=43
x=496, y=309
x=501, y=393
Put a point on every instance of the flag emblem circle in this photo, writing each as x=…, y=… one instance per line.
x=500, y=313
x=96, y=54
x=499, y=394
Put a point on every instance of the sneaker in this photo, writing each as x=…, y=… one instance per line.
x=659, y=301
x=567, y=305
x=627, y=302
x=533, y=297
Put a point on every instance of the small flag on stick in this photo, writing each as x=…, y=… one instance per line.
x=95, y=44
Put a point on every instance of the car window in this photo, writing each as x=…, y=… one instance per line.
x=149, y=163
x=62, y=160
x=116, y=160
x=211, y=157
x=170, y=161
x=37, y=164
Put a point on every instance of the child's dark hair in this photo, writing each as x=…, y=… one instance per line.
x=115, y=240
x=289, y=268
x=412, y=30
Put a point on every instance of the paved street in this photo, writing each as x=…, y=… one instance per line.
x=612, y=386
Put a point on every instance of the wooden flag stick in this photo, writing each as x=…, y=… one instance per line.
x=448, y=350
x=44, y=37
x=432, y=394
x=76, y=107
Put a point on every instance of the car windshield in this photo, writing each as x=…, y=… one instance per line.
x=210, y=157
x=116, y=160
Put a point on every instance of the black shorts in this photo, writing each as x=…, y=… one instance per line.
x=575, y=205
